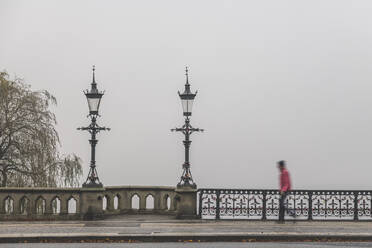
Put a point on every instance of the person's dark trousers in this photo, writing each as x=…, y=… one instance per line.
x=281, y=206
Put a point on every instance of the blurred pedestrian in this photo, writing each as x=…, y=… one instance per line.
x=285, y=187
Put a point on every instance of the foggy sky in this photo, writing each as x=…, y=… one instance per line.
x=277, y=80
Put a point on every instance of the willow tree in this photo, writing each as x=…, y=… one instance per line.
x=29, y=142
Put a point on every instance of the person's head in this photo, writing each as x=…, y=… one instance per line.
x=281, y=165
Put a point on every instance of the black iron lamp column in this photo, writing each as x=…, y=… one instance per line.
x=94, y=99
x=187, y=99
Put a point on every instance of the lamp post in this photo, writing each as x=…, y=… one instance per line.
x=187, y=99
x=94, y=99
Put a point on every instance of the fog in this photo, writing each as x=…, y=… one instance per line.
x=276, y=80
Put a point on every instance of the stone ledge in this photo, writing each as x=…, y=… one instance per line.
x=23, y=189
x=15, y=189
x=155, y=188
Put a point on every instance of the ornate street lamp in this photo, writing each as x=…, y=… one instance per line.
x=187, y=99
x=94, y=99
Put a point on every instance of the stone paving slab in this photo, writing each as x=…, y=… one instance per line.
x=162, y=228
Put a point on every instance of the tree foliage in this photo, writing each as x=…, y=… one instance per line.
x=29, y=142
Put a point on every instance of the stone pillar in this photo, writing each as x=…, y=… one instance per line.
x=157, y=201
x=142, y=201
x=33, y=204
x=186, y=202
x=2, y=204
x=110, y=203
x=48, y=205
x=64, y=205
x=91, y=203
x=124, y=202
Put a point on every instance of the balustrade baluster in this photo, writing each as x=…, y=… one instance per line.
x=217, y=205
x=370, y=207
x=356, y=205
x=310, y=207
x=264, y=205
x=200, y=203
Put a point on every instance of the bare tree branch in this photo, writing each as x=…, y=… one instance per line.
x=29, y=142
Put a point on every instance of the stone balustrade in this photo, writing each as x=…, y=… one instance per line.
x=78, y=203
x=40, y=203
x=139, y=199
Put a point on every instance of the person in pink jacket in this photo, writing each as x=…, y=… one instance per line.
x=285, y=187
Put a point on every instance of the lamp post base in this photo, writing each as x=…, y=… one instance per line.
x=186, y=185
x=92, y=185
x=186, y=202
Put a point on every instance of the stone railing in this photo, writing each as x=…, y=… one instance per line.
x=78, y=203
x=40, y=203
x=139, y=199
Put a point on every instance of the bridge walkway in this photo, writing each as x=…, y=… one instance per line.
x=165, y=228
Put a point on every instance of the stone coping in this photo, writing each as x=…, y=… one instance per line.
x=7, y=189
x=141, y=187
x=109, y=188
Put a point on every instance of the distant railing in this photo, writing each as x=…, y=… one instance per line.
x=264, y=204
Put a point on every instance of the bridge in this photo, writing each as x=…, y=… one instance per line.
x=181, y=202
x=94, y=200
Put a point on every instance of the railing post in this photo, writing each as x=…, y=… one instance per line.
x=200, y=203
x=371, y=204
x=356, y=205
x=187, y=198
x=310, y=211
x=218, y=205
x=90, y=203
x=263, y=205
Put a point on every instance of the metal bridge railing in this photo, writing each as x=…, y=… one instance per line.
x=258, y=204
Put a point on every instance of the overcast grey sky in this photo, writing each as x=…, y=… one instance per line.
x=276, y=79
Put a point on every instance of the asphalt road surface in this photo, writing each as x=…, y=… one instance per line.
x=193, y=245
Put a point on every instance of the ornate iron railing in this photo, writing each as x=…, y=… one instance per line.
x=252, y=204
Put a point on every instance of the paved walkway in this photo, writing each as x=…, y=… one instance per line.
x=194, y=245
x=162, y=228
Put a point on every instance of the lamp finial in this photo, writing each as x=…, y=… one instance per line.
x=187, y=75
x=94, y=78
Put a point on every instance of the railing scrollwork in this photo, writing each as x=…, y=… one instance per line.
x=261, y=204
